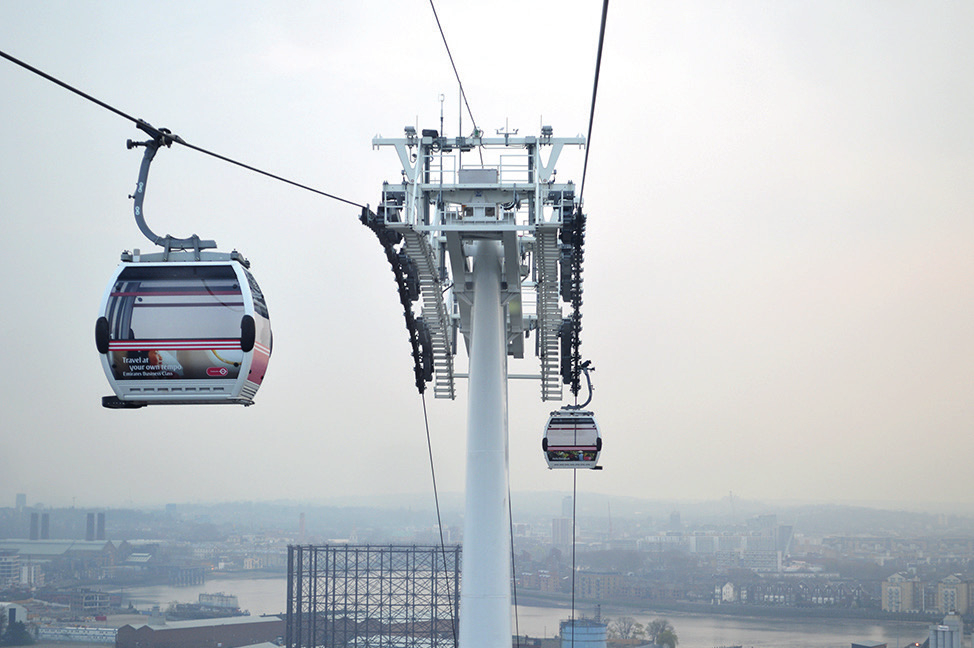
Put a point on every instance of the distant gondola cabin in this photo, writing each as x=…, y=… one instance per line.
x=572, y=439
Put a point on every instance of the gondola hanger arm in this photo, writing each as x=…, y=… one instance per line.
x=586, y=368
x=160, y=137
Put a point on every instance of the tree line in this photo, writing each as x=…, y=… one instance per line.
x=657, y=631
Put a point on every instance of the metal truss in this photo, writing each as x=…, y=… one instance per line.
x=355, y=596
x=445, y=205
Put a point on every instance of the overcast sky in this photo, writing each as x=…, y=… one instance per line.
x=779, y=266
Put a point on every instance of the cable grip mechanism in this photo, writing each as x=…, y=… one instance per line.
x=586, y=368
x=159, y=137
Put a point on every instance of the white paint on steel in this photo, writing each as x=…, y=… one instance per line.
x=485, y=596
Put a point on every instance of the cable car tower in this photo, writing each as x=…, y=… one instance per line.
x=491, y=248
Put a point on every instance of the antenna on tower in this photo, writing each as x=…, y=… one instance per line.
x=442, y=99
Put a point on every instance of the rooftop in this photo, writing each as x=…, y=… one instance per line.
x=54, y=547
x=205, y=623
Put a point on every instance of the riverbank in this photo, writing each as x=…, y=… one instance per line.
x=250, y=574
x=540, y=616
x=563, y=601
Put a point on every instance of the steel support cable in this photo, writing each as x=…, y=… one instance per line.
x=510, y=517
x=439, y=520
x=173, y=138
x=595, y=91
x=455, y=72
x=579, y=223
x=271, y=175
x=574, y=498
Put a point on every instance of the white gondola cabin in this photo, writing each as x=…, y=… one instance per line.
x=183, y=331
x=572, y=440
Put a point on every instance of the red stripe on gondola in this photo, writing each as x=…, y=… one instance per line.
x=172, y=340
x=191, y=305
x=129, y=345
x=176, y=293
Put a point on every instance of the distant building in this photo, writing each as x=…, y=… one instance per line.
x=763, y=522
x=72, y=558
x=784, y=537
x=902, y=593
x=32, y=574
x=953, y=595
x=9, y=568
x=13, y=613
x=729, y=543
x=77, y=634
x=87, y=600
x=664, y=541
x=949, y=633
x=541, y=580
x=219, y=600
x=728, y=593
x=676, y=524
x=548, y=582
x=567, y=506
x=561, y=532
x=598, y=585
x=583, y=633
x=702, y=544
x=227, y=632
x=760, y=561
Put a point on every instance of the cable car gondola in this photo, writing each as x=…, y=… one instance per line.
x=572, y=439
x=183, y=331
x=181, y=326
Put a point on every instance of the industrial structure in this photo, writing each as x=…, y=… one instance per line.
x=583, y=633
x=358, y=596
x=225, y=632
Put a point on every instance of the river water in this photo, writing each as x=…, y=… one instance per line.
x=269, y=596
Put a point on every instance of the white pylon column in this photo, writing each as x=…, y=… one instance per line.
x=485, y=591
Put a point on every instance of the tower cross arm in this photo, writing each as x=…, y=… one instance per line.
x=402, y=146
x=557, y=144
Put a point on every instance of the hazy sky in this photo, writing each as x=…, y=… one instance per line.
x=779, y=266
